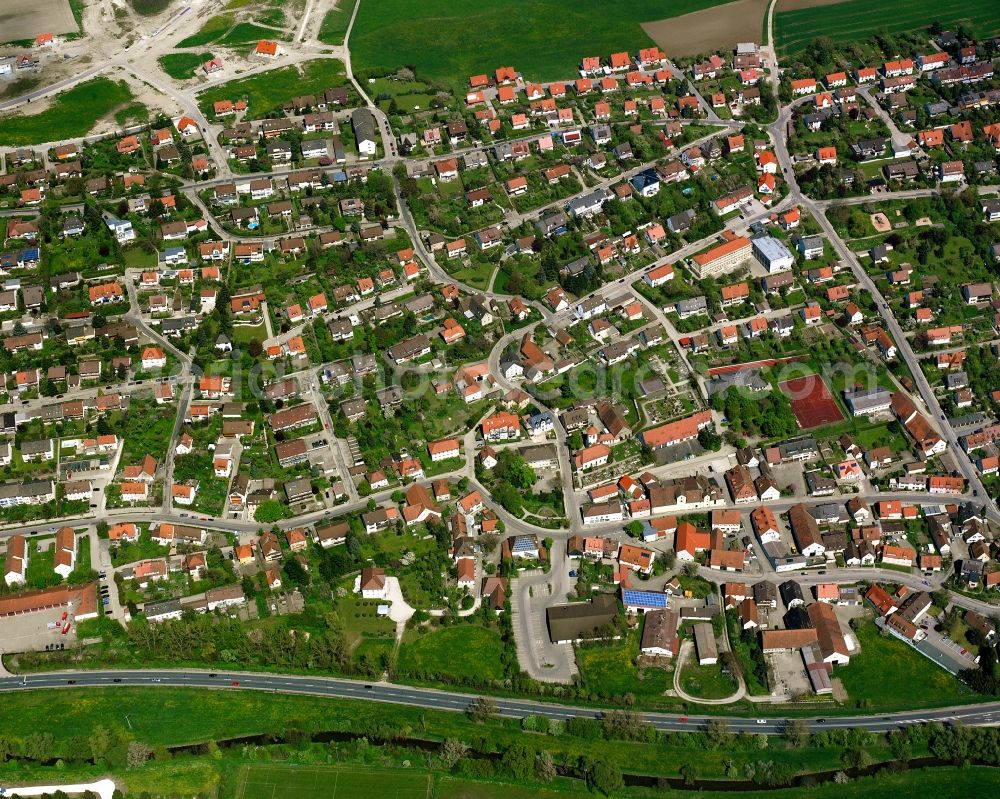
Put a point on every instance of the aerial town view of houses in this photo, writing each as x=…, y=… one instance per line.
x=523, y=399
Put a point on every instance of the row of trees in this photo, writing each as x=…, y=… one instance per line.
x=212, y=639
x=110, y=746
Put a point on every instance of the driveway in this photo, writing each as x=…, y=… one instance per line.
x=399, y=610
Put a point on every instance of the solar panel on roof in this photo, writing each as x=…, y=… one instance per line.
x=649, y=599
x=523, y=545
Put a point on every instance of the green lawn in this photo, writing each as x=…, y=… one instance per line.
x=543, y=39
x=858, y=20
x=334, y=26
x=949, y=782
x=888, y=674
x=269, y=90
x=72, y=113
x=706, y=682
x=368, y=633
x=609, y=670
x=477, y=275
x=248, y=33
x=183, y=65
x=133, y=113
x=325, y=782
x=461, y=651
x=244, y=334
x=231, y=779
x=211, y=31
x=150, y=7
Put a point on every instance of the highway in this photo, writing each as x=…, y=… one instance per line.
x=432, y=699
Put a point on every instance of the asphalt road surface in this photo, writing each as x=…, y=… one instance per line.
x=973, y=715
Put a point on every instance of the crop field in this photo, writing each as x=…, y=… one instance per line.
x=857, y=20
x=716, y=28
x=72, y=113
x=544, y=39
x=812, y=403
x=317, y=782
x=25, y=19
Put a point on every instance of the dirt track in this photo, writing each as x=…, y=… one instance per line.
x=718, y=28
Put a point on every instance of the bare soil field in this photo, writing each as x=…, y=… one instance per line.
x=25, y=19
x=719, y=27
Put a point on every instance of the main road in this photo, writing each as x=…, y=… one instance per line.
x=777, y=131
x=985, y=714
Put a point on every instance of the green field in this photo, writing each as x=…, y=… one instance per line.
x=858, y=20
x=72, y=113
x=706, y=682
x=183, y=65
x=225, y=31
x=209, y=32
x=609, y=670
x=543, y=39
x=269, y=90
x=132, y=114
x=950, y=782
x=318, y=782
x=176, y=715
x=335, y=23
x=150, y=7
x=248, y=33
x=463, y=651
x=891, y=675
x=224, y=778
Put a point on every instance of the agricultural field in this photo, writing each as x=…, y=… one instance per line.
x=709, y=29
x=292, y=782
x=857, y=20
x=25, y=19
x=71, y=114
x=543, y=39
x=269, y=90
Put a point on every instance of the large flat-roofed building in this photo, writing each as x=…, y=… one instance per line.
x=580, y=620
x=863, y=402
x=772, y=254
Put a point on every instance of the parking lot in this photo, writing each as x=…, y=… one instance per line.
x=31, y=631
x=788, y=674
